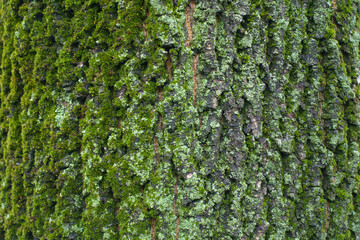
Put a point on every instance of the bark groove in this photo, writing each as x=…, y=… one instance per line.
x=195, y=119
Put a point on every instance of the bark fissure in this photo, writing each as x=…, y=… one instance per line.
x=179, y=119
x=153, y=230
x=188, y=22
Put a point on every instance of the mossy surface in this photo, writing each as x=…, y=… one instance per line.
x=179, y=119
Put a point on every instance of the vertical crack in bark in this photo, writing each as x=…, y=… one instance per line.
x=192, y=4
x=153, y=225
x=160, y=124
x=188, y=15
x=334, y=4
x=195, y=66
x=175, y=209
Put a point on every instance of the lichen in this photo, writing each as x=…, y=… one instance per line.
x=179, y=119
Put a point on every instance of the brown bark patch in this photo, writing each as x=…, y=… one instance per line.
x=188, y=15
x=334, y=5
x=145, y=31
x=156, y=150
x=153, y=225
x=160, y=95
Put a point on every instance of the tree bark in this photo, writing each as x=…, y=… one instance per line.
x=200, y=119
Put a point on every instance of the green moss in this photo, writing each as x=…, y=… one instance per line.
x=102, y=136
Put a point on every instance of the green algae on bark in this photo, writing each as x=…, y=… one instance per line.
x=182, y=119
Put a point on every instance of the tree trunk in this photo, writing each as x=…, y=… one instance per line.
x=201, y=119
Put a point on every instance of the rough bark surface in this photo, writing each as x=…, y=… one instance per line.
x=178, y=119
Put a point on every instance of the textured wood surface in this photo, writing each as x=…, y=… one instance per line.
x=171, y=119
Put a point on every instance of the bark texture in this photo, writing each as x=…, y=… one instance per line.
x=178, y=119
